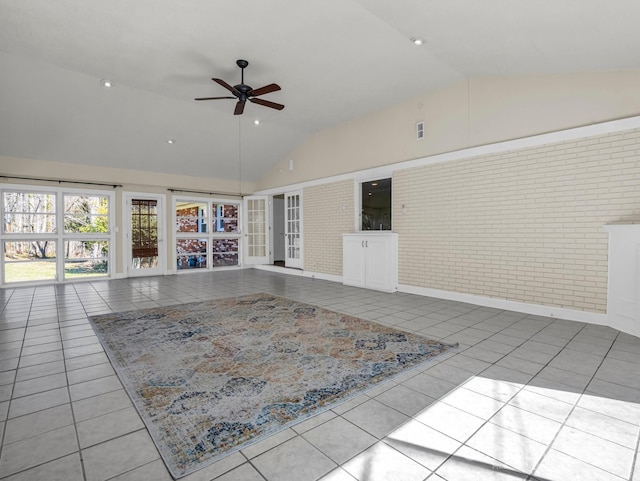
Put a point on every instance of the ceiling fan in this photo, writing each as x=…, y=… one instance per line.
x=243, y=92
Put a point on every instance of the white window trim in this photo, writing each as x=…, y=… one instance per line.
x=210, y=235
x=59, y=237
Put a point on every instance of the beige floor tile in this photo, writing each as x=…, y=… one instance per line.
x=68, y=468
x=294, y=460
x=470, y=465
x=40, y=449
x=376, y=418
x=118, y=456
x=246, y=472
x=382, y=463
x=38, y=402
x=451, y=421
x=101, y=404
x=41, y=384
x=557, y=465
x=339, y=439
x=512, y=449
x=109, y=426
x=405, y=400
x=606, y=427
x=154, y=471
x=423, y=444
x=608, y=456
x=94, y=387
x=40, y=422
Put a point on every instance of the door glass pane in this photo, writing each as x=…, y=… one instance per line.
x=144, y=233
x=30, y=261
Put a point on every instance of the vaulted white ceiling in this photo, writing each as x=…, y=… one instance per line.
x=334, y=59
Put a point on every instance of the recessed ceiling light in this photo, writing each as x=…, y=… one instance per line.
x=171, y=141
x=106, y=83
x=256, y=122
x=417, y=41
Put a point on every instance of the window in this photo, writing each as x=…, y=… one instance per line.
x=225, y=217
x=86, y=213
x=29, y=212
x=86, y=221
x=191, y=217
x=54, y=234
x=375, y=204
x=207, y=234
x=30, y=261
x=225, y=252
x=192, y=253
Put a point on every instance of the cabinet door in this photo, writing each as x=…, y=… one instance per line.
x=379, y=263
x=353, y=261
x=624, y=279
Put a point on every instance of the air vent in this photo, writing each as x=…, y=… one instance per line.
x=419, y=130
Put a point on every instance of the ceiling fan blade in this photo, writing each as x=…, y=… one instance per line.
x=231, y=89
x=266, y=103
x=264, y=90
x=214, y=98
x=239, y=108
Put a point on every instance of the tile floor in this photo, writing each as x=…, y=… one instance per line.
x=524, y=397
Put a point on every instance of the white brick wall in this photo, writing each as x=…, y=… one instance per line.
x=523, y=225
x=328, y=212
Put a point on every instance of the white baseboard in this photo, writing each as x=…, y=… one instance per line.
x=299, y=272
x=324, y=277
x=497, y=303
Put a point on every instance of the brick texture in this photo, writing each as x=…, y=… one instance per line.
x=328, y=212
x=523, y=225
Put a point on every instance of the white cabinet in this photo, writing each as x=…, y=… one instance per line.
x=370, y=260
x=623, y=304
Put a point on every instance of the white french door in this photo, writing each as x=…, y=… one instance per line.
x=256, y=225
x=293, y=230
x=144, y=235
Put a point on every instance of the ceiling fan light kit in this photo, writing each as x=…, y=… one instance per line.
x=244, y=92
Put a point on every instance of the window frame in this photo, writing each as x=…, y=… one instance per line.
x=210, y=235
x=59, y=237
x=359, y=184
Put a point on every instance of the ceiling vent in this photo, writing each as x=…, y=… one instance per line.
x=419, y=130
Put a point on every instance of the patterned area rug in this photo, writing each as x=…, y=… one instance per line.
x=210, y=377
